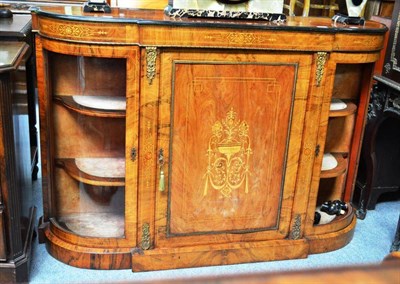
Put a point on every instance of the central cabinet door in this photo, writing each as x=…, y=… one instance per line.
x=229, y=146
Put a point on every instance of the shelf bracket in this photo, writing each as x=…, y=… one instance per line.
x=321, y=60
x=151, y=56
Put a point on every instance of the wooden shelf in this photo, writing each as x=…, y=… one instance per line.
x=97, y=225
x=350, y=109
x=338, y=170
x=70, y=103
x=339, y=222
x=104, y=171
x=203, y=130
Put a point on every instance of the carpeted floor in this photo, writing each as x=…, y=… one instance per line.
x=371, y=243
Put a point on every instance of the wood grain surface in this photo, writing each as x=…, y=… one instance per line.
x=223, y=135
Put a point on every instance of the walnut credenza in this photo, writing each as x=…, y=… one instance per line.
x=174, y=143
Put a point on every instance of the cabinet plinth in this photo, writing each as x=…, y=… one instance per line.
x=201, y=148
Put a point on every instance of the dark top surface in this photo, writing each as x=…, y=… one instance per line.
x=17, y=26
x=158, y=17
x=10, y=52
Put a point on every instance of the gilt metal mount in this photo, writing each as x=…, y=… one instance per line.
x=145, y=236
x=321, y=60
x=151, y=56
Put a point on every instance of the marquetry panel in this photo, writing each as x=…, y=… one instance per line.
x=359, y=42
x=86, y=32
x=228, y=172
x=195, y=37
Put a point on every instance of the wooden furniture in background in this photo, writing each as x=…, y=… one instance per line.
x=380, y=160
x=172, y=143
x=391, y=67
x=386, y=8
x=19, y=148
x=380, y=8
x=17, y=213
x=379, y=64
x=18, y=28
x=305, y=8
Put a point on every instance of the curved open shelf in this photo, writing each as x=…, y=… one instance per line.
x=338, y=222
x=338, y=170
x=332, y=236
x=351, y=108
x=93, y=225
x=72, y=104
x=95, y=171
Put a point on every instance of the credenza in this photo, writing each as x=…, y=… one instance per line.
x=174, y=142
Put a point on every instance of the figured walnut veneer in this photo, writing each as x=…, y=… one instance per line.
x=223, y=136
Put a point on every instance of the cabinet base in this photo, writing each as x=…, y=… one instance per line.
x=195, y=256
x=85, y=257
x=161, y=259
x=332, y=241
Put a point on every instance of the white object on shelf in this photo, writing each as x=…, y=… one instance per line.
x=101, y=102
x=329, y=162
x=337, y=104
x=102, y=167
x=103, y=225
x=325, y=217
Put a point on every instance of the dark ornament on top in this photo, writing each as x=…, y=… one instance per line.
x=94, y=7
x=335, y=207
x=5, y=13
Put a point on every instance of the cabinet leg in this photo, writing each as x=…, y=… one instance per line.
x=396, y=242
x=361, y=212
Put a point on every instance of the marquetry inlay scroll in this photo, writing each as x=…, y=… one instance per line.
x=321, y=60
x=76, y=30
x=151, y=56
x=145, y=236
x=79, y=32
x=228, y=153
x=246, y=38
x=148, y=150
